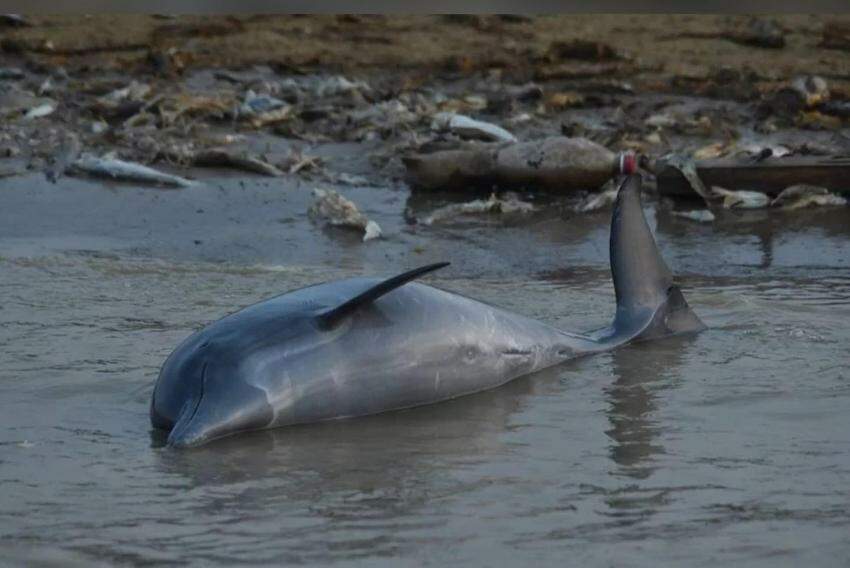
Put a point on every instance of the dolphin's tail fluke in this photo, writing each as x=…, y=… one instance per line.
x=649, y=304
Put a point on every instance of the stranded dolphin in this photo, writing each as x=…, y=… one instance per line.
x=365, y=345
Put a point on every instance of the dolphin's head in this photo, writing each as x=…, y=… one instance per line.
x=207, y=388
x=238, y=373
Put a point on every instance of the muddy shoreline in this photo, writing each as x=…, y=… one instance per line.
x=158, y=90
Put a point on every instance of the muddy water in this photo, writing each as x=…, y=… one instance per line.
x=731, y=446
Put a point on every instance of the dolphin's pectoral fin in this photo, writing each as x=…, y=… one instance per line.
x=332, y=316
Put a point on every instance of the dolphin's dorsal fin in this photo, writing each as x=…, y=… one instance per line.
x=333, y=316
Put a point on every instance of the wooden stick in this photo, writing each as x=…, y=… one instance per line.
x=769, y=176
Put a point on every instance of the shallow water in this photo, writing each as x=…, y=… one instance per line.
x=728, y=447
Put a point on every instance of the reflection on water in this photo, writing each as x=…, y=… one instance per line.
x=757, y=239
x=380, y=450
x=641, y=373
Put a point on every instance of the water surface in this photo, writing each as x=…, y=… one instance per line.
x=728, y=447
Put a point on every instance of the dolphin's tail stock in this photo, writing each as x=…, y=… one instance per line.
x=649, y=304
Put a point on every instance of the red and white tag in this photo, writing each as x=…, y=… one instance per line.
x=628, y=163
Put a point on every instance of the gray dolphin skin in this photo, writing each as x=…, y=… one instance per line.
x=367, y=345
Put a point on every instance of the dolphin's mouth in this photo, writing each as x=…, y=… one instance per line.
x=206, y=415
x=187, y=413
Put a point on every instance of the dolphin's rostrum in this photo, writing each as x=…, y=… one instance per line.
x=365, y=345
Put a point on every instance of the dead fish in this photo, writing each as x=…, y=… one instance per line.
x=338, y=85
x=818, y=201
x=344, y=178
x=135, y=91
x=701, y=215
x=596, y=201
x=40, y=111
x=221, y=139
x=711, y=151
x=741, y=199
x=661, y=120
x=220, y=157
x=796, y=192
x=341, y=212
x=761, y=152
x=803, y=195
x=467, y=127
x=261, y=110
x=119, y=169
x=255, y=105
x=273, y=116
x=491, y=205
x=15, y=101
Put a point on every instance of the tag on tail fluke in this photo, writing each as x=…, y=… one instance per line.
x=649, y=304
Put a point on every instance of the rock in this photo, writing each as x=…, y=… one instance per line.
x=581, y=49
x=341, y=212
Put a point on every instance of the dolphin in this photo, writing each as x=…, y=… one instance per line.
x=362, y=346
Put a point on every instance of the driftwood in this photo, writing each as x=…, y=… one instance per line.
x=555, y=164
x=770, y=176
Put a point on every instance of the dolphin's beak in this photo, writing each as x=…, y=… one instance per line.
x=187, y=431
x=208, y=417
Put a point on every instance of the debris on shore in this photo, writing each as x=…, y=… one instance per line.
x=803, y=195
x=740, y=199
x=469, y=128
x=338, y=211
x=606, y=197
x=226, y=158
x=699, y=215
x=564, y=116
x=113, y=168
x=298, y=161
x=491, y=205
x=677, y=176
x=556, y=163
x=41, y=110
